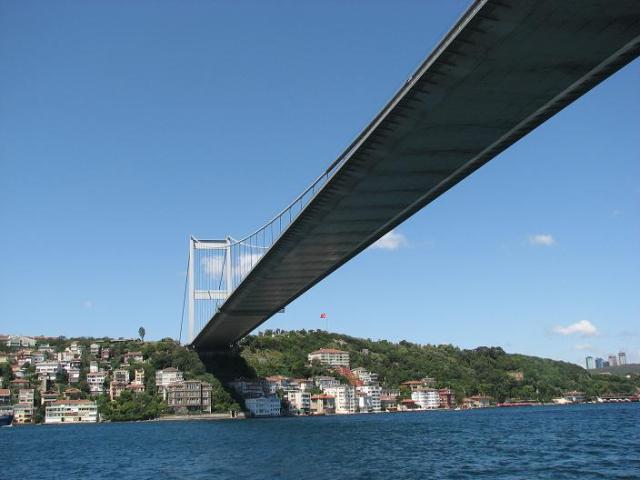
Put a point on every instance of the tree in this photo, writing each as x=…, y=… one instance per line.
x=141, y=333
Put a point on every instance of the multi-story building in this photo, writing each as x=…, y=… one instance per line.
x=105, y=354
x=166, y=377
x=622, y=358
x=373, y=391
x=96, y=382
x=299, y=402
x=252, y=388
x=47, y=398
x=71, y=411
x=74, y=374
x=23, y=413
x=48, y=370
x=190, y=395
x=365, y=375
x=18, y=341
x=38, y=357
x=613, y=361
x=477, y=401
x=589, y=362
x=345, y=398
x=5, y=397
x=322, y=404
x=325, y=381
x=447, y=398
x=426, y=398
x=121, y=375
x=94, y=349
x=130, y=357
x=138, y=376
x=93, y=367
x=263, y=406
x=599, y=362
x=26, y=395
x=575, y=397
x=330, y=357
x=116, y=388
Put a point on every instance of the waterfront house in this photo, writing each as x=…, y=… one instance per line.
x=330, y=357
x=5, y=397
x=345, y=398
x=263, y=406
x=575, y=397
x=189, y=395
x=71, y=411
x=322, y=404
x=23, y=413
x=373, y=392
x=299, y=402
x=477, y=401
x=426, y=398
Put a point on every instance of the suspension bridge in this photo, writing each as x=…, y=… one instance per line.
x=503, y=69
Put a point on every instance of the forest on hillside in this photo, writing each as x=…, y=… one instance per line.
x=483, y=370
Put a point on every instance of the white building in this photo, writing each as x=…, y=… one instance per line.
x=93, y=367
x=330, y=357
x=373, y=391
x=26, y=395
x=96, y=382
x=345, y=398
x=18, y=341
x=264, y=406
x=166, y=377
x=71, y=411
x=299, y=402
x=426, y=398
x=325, y=381
x=48, y=370
x=121, y=375
x=365, y=375
x=94, y=348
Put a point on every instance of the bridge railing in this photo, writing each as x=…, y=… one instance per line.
x=217, y=267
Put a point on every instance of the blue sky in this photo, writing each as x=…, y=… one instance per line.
x=127, y=126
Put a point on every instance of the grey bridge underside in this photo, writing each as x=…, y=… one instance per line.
x=503, y=69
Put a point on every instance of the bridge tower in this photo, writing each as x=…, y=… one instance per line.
x=209, y=280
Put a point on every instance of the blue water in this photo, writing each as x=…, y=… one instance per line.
x=577, y=442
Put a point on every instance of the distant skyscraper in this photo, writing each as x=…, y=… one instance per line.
x=605, y=364
x=622, y=358
x=613, y=361
x=589, y=362
x=599, y=362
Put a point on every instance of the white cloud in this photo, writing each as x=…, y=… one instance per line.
x=391, y=241
x=583, y=346
x=88, y=304
x=542, y=239
x=584, y=328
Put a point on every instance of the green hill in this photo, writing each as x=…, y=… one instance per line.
x=484, y=370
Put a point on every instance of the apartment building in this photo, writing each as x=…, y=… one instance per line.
x=23, y=413
x=26, y=395
x=263, y=406
x=322, y=405
x=190, y=395
x=330, y=357
x=345, y=398
x=373, y=391
x=299, y=402
x=426, y=398
x=71, y=411
x=166, y=377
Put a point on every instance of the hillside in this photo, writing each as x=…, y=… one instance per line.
x=484, y=370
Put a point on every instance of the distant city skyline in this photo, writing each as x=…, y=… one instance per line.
x=125, y=129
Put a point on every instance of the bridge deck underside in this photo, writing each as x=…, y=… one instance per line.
x=505, y=68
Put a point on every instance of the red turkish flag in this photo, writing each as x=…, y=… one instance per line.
x=323, y=315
